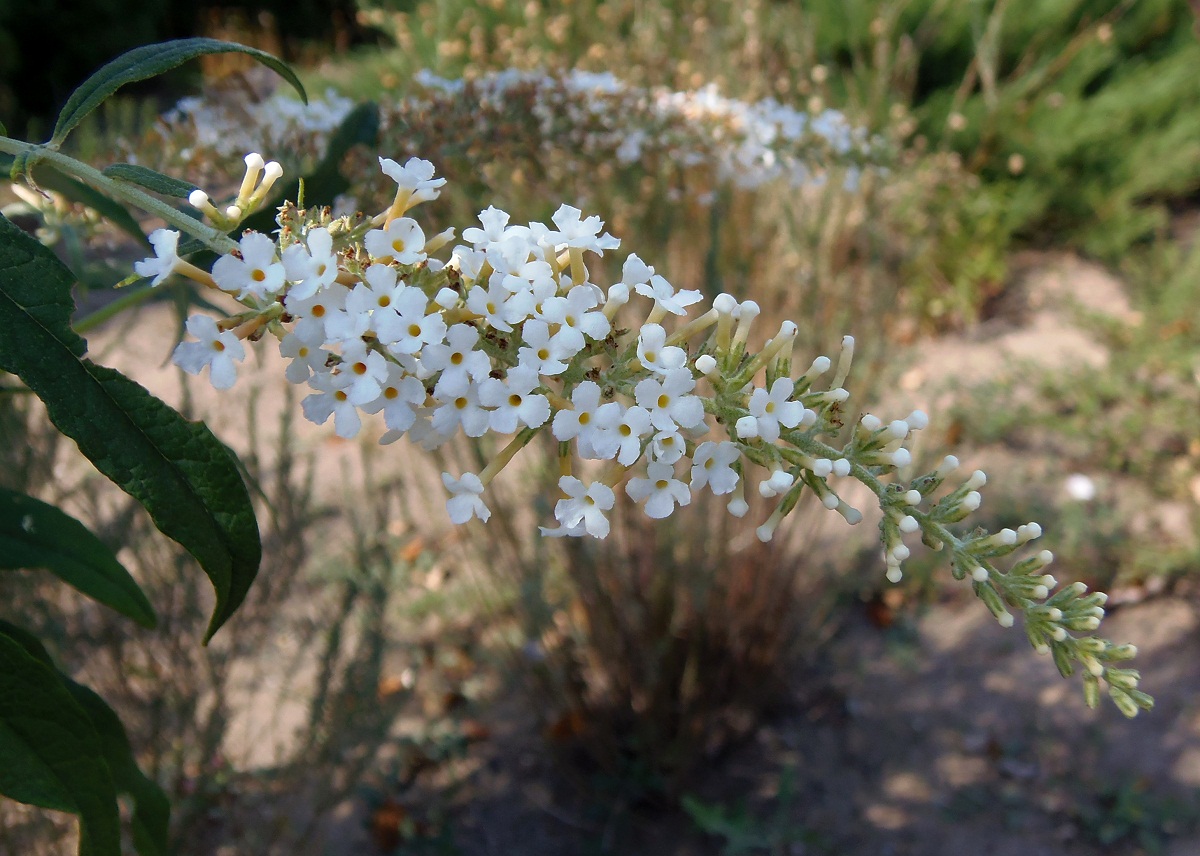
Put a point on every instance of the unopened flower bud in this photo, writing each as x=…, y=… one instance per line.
x=912, y=497
x=908, y=524
x=977, y=480
x=841, y=467
x=706, y=364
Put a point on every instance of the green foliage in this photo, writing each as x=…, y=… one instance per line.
x=151, y=61
x=36, y=535
x=150, y=179
x=50, y=753
x=178, y=470
x=744, y=833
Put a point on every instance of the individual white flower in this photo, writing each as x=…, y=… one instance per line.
x=585, y=505
x=576, y=321
x=306, y=357
x=313, y=267
x=655, y=354
x=465, y=501
x=399, y=397
x=458, y=397
x=495, y=228
x=331, y=399
x=401, y=241
x=666, y=299
x=500, y=307
x=667, y=400
x=166, y=256
x=312, y=312
x=467, y=262
x=772, y=409
x=513, y=400
x=218, y=350
x=456, y=358
x=580, y=421
x=410, y=327
x=416, y=177
x=376, y=296
x=712, y=465
x=667, y=447
x=583, y=234
x=367, y=369
x=256, y=273
x=542, y=352
x=661, y=491
x=633, y=425
x=635, y=272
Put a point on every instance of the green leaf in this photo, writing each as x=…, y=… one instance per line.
x=152, y=812
x=34, y=534
x=186, y=479
x=150, y=179
x=150, y=61
x=50, y=754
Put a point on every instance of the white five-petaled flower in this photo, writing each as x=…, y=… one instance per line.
x=655, y=354
x=771, y=409
x=313, y=267
x=256, y=273
x=668, y=402
x=166, y=256
x=411, y=326
x=584, y=507
x=400, y=396
x=712, y=465
x=458, y=399
x=661, y=490
x=495, y=228
x=666, y=298
x=306, y=357
x=218, y=350
x=332, y=399
x=456, y=358
x=582, y=234
x=513, y=400
x=402, y=240
x=543, y=353
x=580, y=422
x=416, y=177
x=465, y=501
x=574, y=316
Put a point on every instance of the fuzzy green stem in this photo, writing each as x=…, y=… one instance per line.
x=216, y=240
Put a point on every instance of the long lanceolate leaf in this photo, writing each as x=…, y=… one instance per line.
x=186, y=479
x=152, y=809
x=36, y=535
x=50, y=753
x=150, y=61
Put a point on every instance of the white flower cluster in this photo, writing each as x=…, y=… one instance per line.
x=510, y=335
x=591, y=116
x=228, y=126
x=746, y=144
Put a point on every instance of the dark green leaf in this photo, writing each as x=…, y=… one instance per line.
x=152, y=812
x=150, y=179
x=325, y=182
x=150, y=61
x=50, y=754
x=187, y=480
x=34, y=534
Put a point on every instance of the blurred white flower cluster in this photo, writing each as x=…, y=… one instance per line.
x=595, y=117
x=747, y=144
x=643, y=388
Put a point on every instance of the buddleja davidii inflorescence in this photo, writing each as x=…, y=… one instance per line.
x=510, y=336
